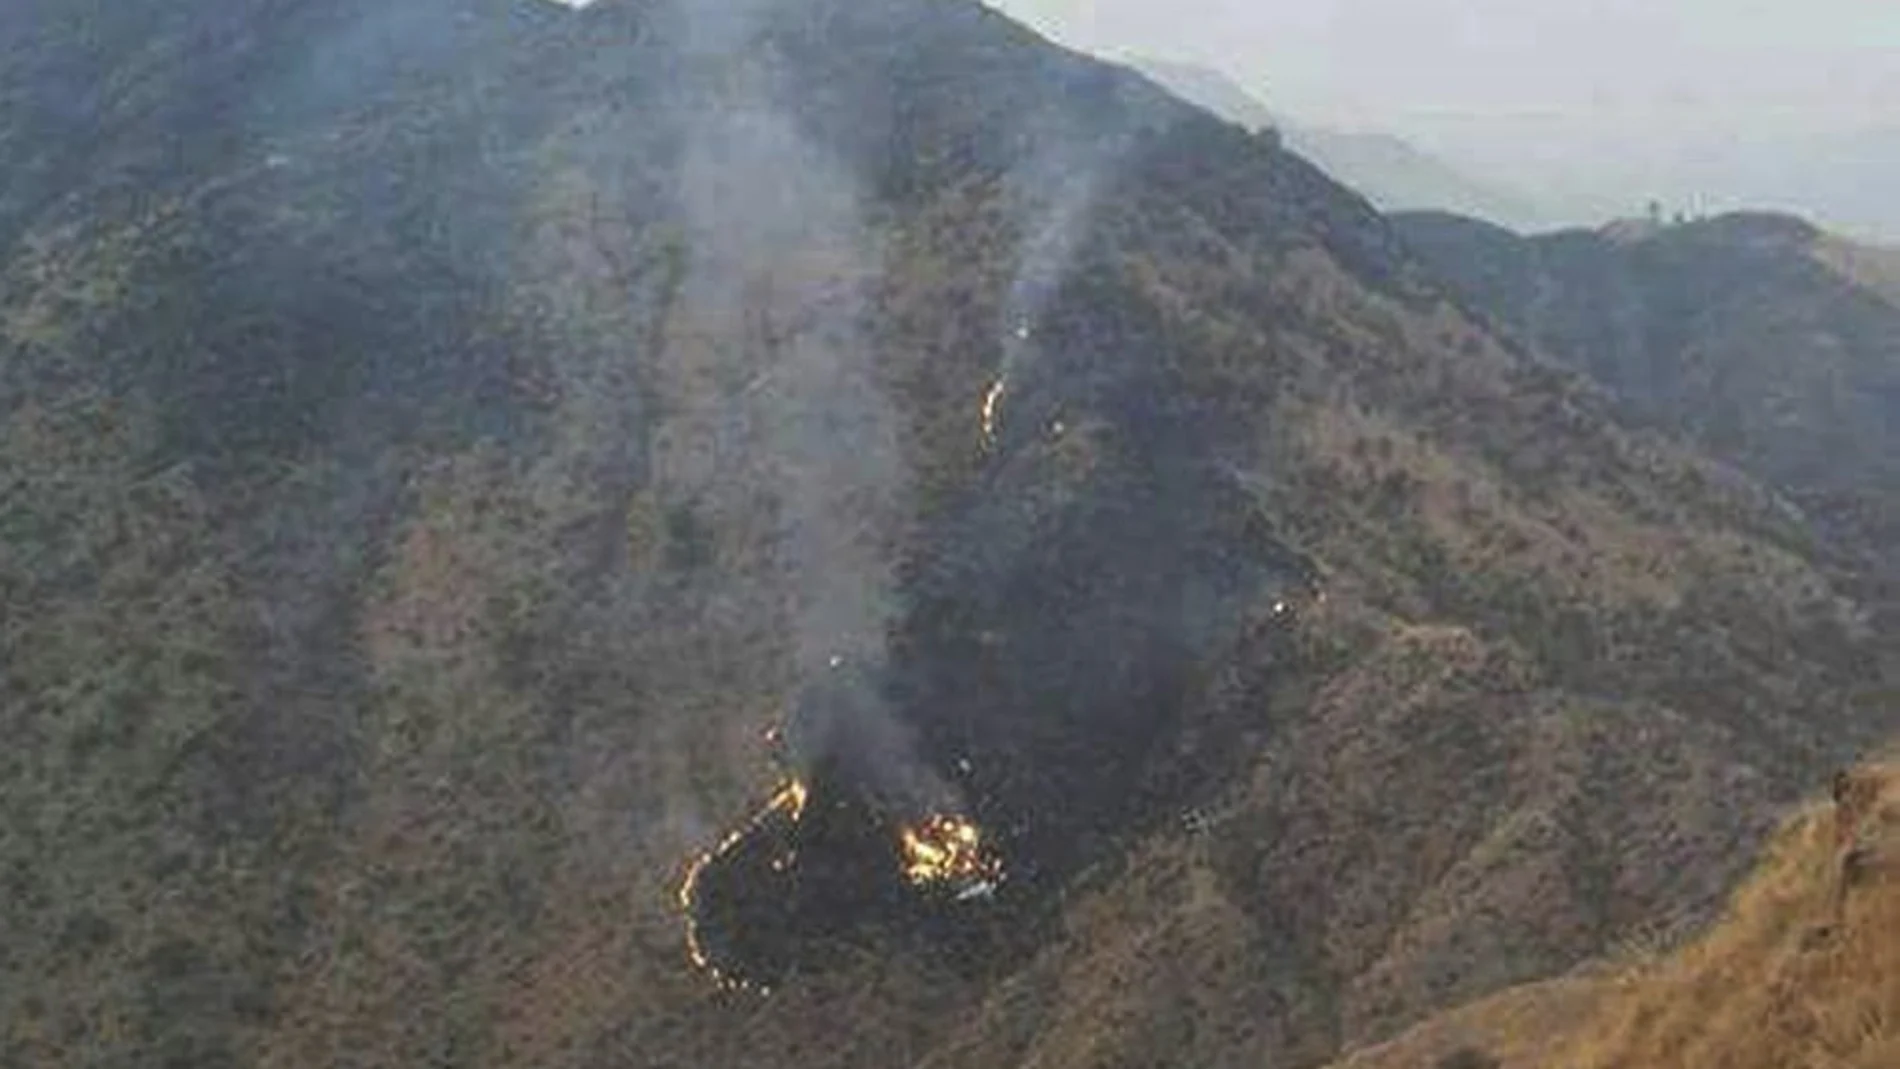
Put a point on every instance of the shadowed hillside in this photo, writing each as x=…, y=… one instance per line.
x=440, y=441
x=1767, y=342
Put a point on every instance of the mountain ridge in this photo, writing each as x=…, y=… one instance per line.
x=1691, y=325
x=421, y=511
x=1388, y=170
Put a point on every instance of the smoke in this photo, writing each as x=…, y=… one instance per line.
x=1056, y=189
x=1055, y=194
x=780, y=259
x=793, y=430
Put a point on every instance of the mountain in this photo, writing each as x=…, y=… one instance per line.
x=1206, y=87
x=1398, y=176
x=1760, y=337
x=1391, y=172
x=1784, y=978
x=503, y=506
x=1834, y=176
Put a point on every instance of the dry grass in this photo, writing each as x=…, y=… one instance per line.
x=1517, y=1027
x=1762, y=989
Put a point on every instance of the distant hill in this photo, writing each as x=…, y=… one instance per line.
x=1389, y=171
x=484, y=484
x=1205, y=87
x=1762, y=338
x=1837, y=178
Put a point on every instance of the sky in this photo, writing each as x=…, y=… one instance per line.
x=1658, y=93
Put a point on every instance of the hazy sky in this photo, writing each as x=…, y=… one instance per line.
x=1594, y=101
x=1638, y=66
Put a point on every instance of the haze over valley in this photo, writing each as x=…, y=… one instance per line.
x=1589, y=111
x=844, y=533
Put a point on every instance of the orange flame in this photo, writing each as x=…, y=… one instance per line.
x=948, y=851
x=789, y=799
x=992, y=399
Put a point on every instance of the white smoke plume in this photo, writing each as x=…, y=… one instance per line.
x=784, y=425
x=1054, y=195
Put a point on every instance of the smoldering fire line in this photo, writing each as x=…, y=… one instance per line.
x=849, y=844
x=1030, y=692
x=781, y=263
x=1055, y=193
x=964, y=738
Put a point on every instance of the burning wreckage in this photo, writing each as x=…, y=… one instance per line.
x=841, y=839
x=1104, y=577
x=959, y=778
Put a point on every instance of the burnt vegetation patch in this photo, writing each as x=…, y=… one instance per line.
x=1040, y=680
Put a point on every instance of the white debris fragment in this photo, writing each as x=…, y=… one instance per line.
x=980, y=889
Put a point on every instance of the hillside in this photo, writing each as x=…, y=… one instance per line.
x=1391, y=172
x=1762, y=339
x=437, y=442
x=1782, y=979
x=1205, y=87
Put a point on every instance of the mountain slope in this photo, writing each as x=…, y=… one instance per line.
x=430, y=471
x=1778, y=981
x=1767, y=342
x=1205, y=87
x=1392, y=173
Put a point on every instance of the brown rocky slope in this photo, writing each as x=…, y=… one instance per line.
x=1800, y=970
x=422, y=483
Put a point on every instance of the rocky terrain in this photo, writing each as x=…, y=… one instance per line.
x=437, y=442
